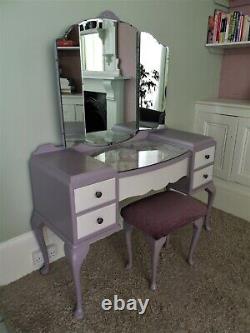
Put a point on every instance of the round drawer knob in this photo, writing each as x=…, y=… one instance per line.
x=207, y=157
x=99, y=220
x=205, y=176
x=98, y=194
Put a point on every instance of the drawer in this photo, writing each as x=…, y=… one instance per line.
x=96, y=220
x=202, y=176
x=204, y=157
x=95, y=194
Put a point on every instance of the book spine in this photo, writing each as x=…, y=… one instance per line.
x=231, y=27
x=215, y=25
x=245, y=29
x=210, y=29
x=227, y=28
x=218, y=27
x=241, y=27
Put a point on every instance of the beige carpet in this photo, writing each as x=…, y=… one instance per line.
x=211, y=297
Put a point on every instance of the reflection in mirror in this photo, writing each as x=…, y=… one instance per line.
x=154, y=58
x=110, y=77
x=108, y=71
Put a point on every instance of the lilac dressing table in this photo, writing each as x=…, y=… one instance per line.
x=78, y=191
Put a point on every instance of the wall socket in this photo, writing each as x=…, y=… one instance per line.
x=37, y=257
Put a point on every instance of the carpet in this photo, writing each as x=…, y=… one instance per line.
x=213, y=296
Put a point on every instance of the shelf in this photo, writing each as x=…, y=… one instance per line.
x=229, y=45
x=68, y=47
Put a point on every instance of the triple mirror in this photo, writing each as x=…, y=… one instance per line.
x=112, y=81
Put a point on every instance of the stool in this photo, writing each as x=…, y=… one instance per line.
x=157, y=216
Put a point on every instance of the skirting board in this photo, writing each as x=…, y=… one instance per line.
x=230, y=197
x=16, y=255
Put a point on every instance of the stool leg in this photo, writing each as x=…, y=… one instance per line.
x=156, y=246
x=128, y=231
x=197, y=227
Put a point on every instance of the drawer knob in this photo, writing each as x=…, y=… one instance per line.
x=99, y=220
x=205, y=176
x=98, y=194
x=207, y=157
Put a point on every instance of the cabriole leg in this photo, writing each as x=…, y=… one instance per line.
x=211, y=191
x=37, y=226
x=156, y=246
x=76, y=255
x=128, y=231
x=197, y=226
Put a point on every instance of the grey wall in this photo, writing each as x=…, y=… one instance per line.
x=28, y=90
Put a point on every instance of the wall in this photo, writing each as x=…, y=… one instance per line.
x=235, y=69
x=29, y=114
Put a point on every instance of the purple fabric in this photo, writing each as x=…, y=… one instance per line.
x=162, y=213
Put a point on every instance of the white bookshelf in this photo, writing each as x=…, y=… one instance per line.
x=68, y=47
x=228, y=45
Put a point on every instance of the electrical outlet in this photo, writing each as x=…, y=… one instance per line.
x=37, y=257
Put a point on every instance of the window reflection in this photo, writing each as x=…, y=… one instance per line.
x=154, y=68
x=93, y=52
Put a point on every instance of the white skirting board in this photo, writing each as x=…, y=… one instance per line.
x=16, y=255
x=230, y=197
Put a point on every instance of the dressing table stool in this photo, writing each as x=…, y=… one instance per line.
x=159, y=215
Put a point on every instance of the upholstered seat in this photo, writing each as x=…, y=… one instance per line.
x=159, y=215
x=162, y=213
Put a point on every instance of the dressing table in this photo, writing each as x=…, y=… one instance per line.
x=78, y=191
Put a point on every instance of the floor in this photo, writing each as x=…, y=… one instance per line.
x=211, y=297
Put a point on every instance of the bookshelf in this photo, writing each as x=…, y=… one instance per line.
x=68, y=48
x=229, y=45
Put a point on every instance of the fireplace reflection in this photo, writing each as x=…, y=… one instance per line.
x=95, y=111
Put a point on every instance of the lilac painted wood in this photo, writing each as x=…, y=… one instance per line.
x=76, y=255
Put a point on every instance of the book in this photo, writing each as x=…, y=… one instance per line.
x=227, y=28
x=223, y=27
x=245, y=29
x=216, y=18
x=210, y=29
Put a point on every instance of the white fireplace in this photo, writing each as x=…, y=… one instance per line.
x=113, y=87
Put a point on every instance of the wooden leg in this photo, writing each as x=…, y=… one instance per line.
x=197, y=227
x=37, y=226
x=128, y=231
x=156, y=246
x=211, y=191
x=76, y=255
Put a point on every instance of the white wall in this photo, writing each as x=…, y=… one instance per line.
x=29, y=114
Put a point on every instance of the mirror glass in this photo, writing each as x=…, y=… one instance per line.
x=154, y=58
x=109, y=61
x=112, y=80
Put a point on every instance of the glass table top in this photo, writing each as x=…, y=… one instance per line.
x=139, y=154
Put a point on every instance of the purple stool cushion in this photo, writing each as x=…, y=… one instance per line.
x=162, y=213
